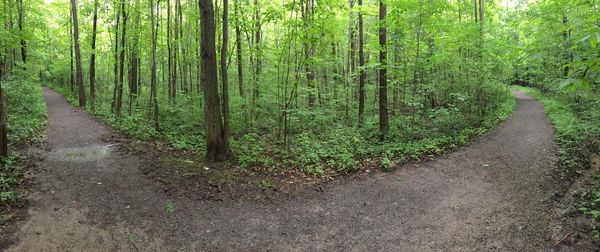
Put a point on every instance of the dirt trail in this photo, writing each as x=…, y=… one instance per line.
x=492, y=195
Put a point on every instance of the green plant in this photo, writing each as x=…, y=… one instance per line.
x=267, y=184
x=169, y=207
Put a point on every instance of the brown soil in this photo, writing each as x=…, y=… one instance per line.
x=93, y=193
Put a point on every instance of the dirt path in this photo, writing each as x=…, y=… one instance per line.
x=492, y=195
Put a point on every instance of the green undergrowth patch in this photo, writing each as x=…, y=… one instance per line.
x=317, y=144
x=26, y=117
x=10, y=174
x=575, y=117
x=25, y=107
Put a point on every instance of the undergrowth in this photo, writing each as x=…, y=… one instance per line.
x=26, y=116
x=317, y=144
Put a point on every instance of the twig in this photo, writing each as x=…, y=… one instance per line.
x=563, y=239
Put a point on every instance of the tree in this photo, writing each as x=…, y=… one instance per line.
x=21, y=22
x=224, y=79
x=80, y=88
x=3, y=128
x=238, y=47
x=153, y=89
x=93, y=60
x=217, y=148
x=384, y=124
x=361, y=67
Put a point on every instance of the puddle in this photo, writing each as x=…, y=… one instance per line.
x=82, y=154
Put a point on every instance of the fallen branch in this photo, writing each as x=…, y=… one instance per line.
x=563, y=239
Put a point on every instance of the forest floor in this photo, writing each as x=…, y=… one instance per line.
x=93, y=193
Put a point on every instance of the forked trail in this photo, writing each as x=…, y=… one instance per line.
x=492, y=195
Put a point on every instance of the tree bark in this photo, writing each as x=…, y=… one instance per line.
x=93, y=60
x=119, y=98
x=3, y=129
x=238, y=47
x=216, y=145
x=72, y=71
x=153, y=98
x=384, y=124
x=258, y=56
x=21, y=22
x=116, y=59
x=80, y=87
x=224, y=77
x=361, y=64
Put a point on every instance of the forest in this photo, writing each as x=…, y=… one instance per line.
x=322, y=87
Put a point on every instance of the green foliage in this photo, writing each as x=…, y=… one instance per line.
x=169, y=207
x=26, y=110
x=9, y=179
x=591, y=203
x=267, y=184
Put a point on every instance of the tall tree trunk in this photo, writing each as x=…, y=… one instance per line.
x=119, y=100
x=21, y=22
x=361, y=65
x=80, y=88
x=258, y=56
x=238, y=47
x=93, y=60
x=153, y=91
x=174, y=50
x=169, y=53
x=216, y=145
x=116, y=58
x=384, y=124
x=3, y=129
x=72, y=72
x=224, y=77
x=308, y=51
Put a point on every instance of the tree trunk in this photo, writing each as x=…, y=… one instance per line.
x=224, y=77
x=238, y=47
x=3, y=129
x=116, y=60
x=384, y=124
x=361, y=65
x=80, y=88
x=153, y=99
x=21, y=22
x=72, y=72
x=216, y=145
x=119, y=98
x=93, y=60
x=258, y=56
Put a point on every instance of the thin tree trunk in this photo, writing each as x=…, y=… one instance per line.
x=80, y=87
x=361, y=63
x=3, y=129
x=153, y=98
x=21, y=22
x=258, y=56
x=384, y=124
x=116, y=59
x=93, y=60
x=72, y=72
x=224, y=77
x=119, y=99
x=238, y=47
